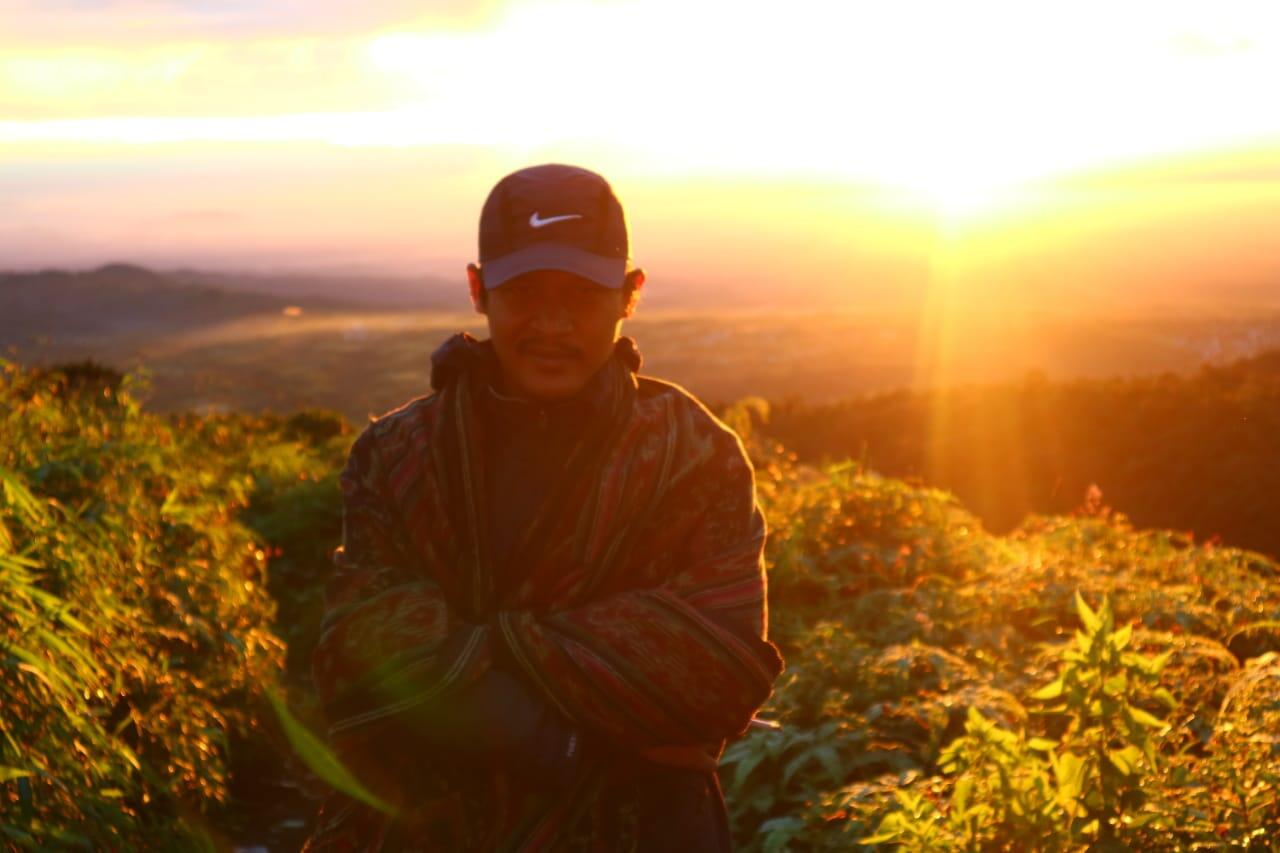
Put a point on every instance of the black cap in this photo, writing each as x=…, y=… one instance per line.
x=554, y=217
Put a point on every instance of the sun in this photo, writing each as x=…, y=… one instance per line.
x=964, y=199
x=972, y=203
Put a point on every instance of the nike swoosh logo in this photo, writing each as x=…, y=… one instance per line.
x=535, y=222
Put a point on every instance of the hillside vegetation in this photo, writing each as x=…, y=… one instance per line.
x=1194, y=453
x=1077, y=683
x=136, y=622
x=231, y=342
x=1074, y=683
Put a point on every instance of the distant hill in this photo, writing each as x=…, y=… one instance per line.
x=424, y=292
x=1188, y=452
x=124, y=299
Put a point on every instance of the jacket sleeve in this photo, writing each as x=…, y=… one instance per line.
x=392, y=651
x=389, y=641
x=683, y=663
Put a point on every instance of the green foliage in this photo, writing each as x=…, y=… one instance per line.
x=136, y=626
x=1085, y=787
x=320, y=758
x=1191, y=452
x=946, y=688
x=293, y=505
x=1108, y=749
x=972, y=698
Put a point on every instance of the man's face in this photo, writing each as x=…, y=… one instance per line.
x=551, y=330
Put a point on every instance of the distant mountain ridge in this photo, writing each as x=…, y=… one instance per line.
x=126, y=299
x=372, y=291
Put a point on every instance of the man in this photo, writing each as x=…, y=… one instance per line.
x=548, y=612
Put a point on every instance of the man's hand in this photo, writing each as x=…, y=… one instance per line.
x=499, y=721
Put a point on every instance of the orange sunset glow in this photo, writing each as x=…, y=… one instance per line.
x=816, y=141
x=714, y=425
x=984, y=161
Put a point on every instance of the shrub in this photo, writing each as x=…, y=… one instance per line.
x=139, y=629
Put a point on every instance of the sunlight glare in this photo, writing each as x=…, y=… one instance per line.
x=960, y=105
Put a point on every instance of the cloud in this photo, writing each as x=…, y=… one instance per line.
x=71, y=59
x=1254, y=165
x=50, y=23
x=205, y=217
x=1196, y=44
x=191, y=79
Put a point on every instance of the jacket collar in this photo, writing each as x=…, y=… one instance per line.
x=463, y=353
x=568, y=414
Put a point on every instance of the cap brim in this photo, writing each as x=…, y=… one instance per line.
x=609, y=272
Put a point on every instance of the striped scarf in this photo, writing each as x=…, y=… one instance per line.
x=634, y=601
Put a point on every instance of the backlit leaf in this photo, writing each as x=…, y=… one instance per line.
x=1125, y=760
x=1143, y=718
x=1052, y=690
x=1088, y=617
x=321, y=759
x=1120, y=639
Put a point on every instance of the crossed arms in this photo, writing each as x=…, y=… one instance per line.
x=680, y=664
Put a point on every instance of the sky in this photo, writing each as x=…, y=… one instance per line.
x=808, y=148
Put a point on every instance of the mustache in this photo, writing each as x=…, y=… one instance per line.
x=543, y=347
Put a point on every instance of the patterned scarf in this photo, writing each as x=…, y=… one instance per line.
x=634, y=601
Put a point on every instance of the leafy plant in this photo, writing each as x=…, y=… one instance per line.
x=1108, y=748
x=136, y=626
x=1085, y=786
x=154, y=569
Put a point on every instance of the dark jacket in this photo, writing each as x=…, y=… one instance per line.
x=621, y=632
